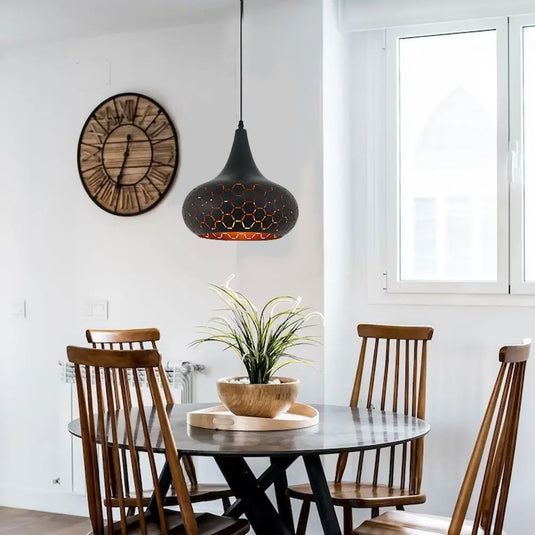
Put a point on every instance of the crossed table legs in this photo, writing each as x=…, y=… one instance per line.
x=252, y=500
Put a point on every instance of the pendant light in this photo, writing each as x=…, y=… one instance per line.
x=240, y=203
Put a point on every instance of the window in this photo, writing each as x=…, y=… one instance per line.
x=522, y=206
x=460, y=210
x=528, y=119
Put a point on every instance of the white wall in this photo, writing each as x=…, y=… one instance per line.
x=339, y=195
x=59, y=250
x=463, y=356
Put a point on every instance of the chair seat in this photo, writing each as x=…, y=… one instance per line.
x=361, y=495
x=208, y=525
x=207, y=492
x=409, y=523
x=202, y=492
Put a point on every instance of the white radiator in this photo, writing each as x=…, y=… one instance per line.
x=180, y=376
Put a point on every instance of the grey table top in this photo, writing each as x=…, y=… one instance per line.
x=340, y=428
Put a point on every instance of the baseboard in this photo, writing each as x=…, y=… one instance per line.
x=76, y=504
x=66, y=502
x=38, y=500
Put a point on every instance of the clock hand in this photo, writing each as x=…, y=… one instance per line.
x=125, y=156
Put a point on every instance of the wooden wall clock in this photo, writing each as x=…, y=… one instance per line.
x=128, y=154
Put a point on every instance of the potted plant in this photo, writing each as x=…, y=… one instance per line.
x=262, y=340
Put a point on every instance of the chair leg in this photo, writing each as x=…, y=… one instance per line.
x=303, y=518
x=375, y=512
x=131, y=511
x=226, y=503
x=348, y=521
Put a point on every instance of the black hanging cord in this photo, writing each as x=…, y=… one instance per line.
x=240, y=124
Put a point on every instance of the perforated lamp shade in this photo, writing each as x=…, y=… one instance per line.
x=240, y=203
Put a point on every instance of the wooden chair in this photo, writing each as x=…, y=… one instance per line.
x=129, y=339
x=490, y=512
x=102, y=382
x=398, y=363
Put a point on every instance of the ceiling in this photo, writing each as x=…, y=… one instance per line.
x=25, y=21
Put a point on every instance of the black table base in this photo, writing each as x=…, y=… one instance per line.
x=253, y=501
x=264, y=518
x=322, y=496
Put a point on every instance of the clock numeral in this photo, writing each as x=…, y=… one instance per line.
x=145, y=114
x=128, y=202
x=164, y=153
x=94, y=128
x=91, y=155
x=159, y=176
x=159, y=125
x=172, y=156
x=95, y=179
x=111, y=119
x=125, y=109
x=106, y=117
x=108, y=194
x=146, y=192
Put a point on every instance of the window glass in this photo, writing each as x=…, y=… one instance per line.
x=529, y=148
x=448, y=157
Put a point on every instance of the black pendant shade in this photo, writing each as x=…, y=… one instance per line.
x=240, y=203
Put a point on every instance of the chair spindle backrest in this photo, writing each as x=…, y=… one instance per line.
x=391, y=376
x=139, y=339
x=500, y=423
x=103, y=388
x=130, y=339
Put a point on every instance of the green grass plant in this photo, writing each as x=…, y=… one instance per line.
x=263, y=339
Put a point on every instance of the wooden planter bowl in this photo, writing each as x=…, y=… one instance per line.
x=265, y=401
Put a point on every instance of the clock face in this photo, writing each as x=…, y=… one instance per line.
x=128, y=154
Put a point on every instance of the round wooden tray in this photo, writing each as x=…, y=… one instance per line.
x=298, y=416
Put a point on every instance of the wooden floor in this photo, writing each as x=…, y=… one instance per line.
x=22, y=522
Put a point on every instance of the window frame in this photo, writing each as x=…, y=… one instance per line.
x=393, y=284
x=516, y=85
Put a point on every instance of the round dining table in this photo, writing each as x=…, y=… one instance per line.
x=340, y=429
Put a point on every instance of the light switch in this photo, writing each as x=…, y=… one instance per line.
x=18, y=308
x=96, y=310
